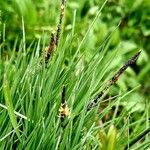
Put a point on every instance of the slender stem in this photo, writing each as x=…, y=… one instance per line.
x=55, y=40
x=59, y=26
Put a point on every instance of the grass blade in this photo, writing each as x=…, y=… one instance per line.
x=10, y=107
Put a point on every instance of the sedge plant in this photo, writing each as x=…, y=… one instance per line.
x=45, y=100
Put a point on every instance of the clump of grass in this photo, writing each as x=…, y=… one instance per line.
x=35, y=92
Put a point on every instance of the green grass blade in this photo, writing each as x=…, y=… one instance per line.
x=10, y=107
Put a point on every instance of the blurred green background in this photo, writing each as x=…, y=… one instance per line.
x=40, y=18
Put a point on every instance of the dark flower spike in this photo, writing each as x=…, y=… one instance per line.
x=112, y=81
x=55, y=40
x=60, y=22
x=63, y=95
x=50, y=50
x=64, y=110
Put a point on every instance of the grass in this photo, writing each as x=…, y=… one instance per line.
x=31, y=97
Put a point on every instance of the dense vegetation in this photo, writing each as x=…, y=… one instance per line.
x=98, y=38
